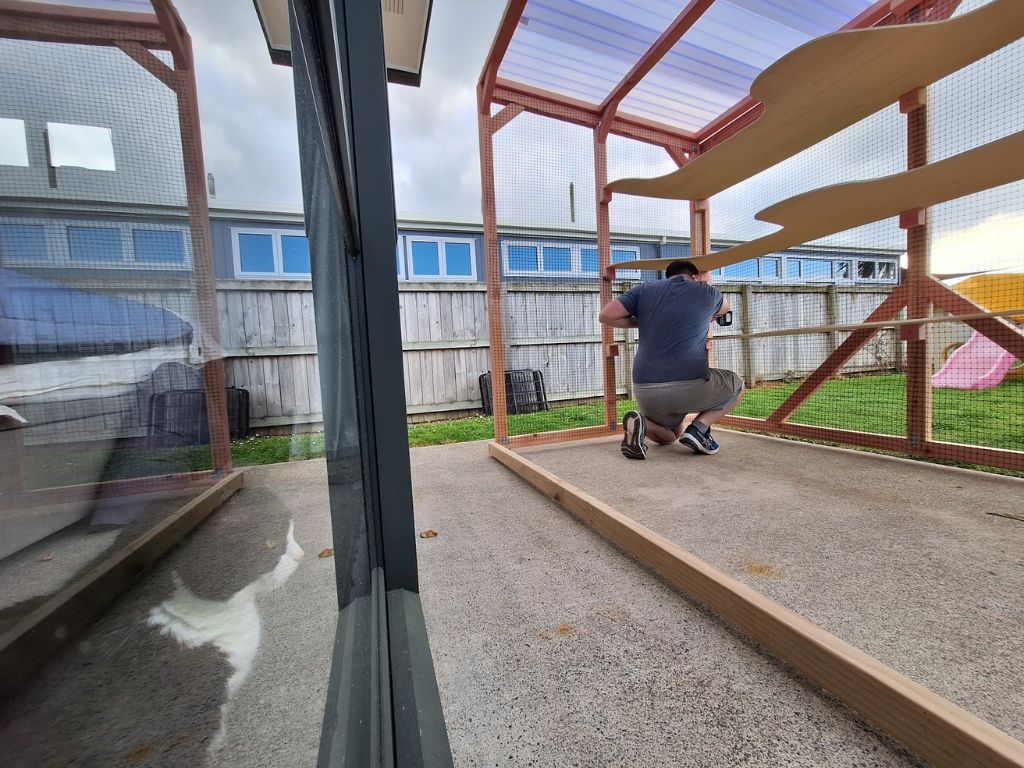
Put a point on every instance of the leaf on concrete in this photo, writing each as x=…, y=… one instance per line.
x=46, y=558
x=326, y=552
x=428, y=534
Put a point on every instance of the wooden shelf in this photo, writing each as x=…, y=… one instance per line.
x=829, y=210
x=829, y=84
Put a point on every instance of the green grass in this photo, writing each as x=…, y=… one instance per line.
x=992, y=417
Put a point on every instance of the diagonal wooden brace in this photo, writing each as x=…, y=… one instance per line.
x=1001, y=331
x=887, y=310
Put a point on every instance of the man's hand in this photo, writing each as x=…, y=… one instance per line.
x=616, y=315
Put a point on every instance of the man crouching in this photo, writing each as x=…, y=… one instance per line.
x=671, y=376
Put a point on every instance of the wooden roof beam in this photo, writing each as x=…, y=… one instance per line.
x=502, y=40
x=43, y=22
x=665, y=42
x=174, y=31
x=558, y=107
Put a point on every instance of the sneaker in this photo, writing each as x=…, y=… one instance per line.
x=634, y=429
x=699, y=443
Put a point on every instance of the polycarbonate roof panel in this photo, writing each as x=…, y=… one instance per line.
x=583, y=48
x=128, y=6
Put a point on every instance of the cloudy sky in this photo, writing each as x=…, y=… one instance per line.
x=248, y=109
x=249, y=134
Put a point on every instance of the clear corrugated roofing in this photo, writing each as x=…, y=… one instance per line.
x=132, y=6
x=583, y=48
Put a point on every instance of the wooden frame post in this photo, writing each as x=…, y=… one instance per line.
x=495, y=312
x=919, y=385
x=137, y=35
x=609, y=350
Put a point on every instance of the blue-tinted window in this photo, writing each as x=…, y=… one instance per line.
x=98, y=244
x=745, y=270
x=792, y=269
x=769, y=267
x=153, y=246
x=817, y=270
x=295, y=255
x=522, y=258
x=426, y=261
x=557, y=259
x=619, y=256
x=458, y=259
x=24, y=242
x=256, y=253
x=398, y=259
x=588, y=260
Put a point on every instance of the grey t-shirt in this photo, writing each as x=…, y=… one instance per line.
x=673, y=316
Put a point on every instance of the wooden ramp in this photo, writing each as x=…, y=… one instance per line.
x=829, y=84
x=824, y=212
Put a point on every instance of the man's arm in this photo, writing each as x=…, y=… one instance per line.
x=726, y=307
x=616, y=315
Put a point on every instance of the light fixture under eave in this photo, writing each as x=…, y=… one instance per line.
x=405, y=35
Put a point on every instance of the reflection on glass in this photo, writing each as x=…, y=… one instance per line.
x=231, y=626
x=80, y=146
x=557, y=259
x=23, y=242
x=522, y=258
x=13, y=149
x=295, y=254
x=425, y=258
x=458, y=260
x=866, y=270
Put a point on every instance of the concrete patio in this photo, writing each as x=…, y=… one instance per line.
x=552, y=647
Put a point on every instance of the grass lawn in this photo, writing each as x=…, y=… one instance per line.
x=992, y=417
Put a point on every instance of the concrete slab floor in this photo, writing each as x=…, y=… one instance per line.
x=553, y=648
x=897, y=557
x=127, y=695
x=32, y=575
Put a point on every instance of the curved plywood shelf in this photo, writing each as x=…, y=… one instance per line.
x=829, y=210
x=829, y=84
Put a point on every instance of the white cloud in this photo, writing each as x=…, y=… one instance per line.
x=996, y=242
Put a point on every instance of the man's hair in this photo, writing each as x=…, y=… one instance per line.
x=680, y=267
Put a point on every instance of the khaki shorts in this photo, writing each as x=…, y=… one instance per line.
x=669, y=402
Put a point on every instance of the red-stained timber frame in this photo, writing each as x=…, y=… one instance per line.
x=917, y=294
x=138, y=35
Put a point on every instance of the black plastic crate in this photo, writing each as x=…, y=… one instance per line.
x=178, y=417
x=524, y=391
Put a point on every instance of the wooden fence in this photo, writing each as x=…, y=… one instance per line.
x=269, y=340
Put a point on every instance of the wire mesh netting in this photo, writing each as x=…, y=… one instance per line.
x=798, y=338
x=106, y=284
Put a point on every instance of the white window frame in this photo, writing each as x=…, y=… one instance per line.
x=877, y=262
x=442, y=263
x=851, y=275
x=575, y=260
x=276, y=235
x=400, y=257
x=14, y=155
x=159, y=227
x=626, y=274
x=768, y=278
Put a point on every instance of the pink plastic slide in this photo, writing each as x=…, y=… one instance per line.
x=978, y=364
